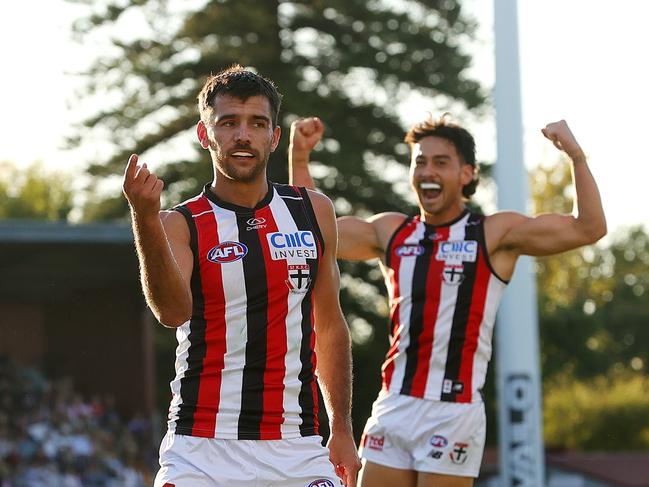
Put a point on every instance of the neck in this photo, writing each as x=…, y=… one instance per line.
x=246, y=194
x=444, y=216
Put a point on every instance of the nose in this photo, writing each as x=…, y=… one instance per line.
x=242, y=134
x=427, y=170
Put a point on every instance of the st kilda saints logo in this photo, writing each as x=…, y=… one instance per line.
x=459, y=453
x=453, y=275
x=299, y=278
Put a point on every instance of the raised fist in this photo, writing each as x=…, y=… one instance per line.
x=561, y=136
x=305, y=134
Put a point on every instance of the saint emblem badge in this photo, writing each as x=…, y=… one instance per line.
x=299, y=278
x=453, y=274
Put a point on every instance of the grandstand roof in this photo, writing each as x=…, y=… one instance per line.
x=62, y=232
x=48, y=261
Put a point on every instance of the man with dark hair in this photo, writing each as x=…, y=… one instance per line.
x=445, y=270
x=246, y=274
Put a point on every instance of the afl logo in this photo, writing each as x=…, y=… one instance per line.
x=321, y=483
x=409, y=250
x=227, y=252
x=438, y=441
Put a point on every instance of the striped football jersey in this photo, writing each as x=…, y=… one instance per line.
x=245, y=361
x=443, y=300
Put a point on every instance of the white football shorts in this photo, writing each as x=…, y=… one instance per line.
x=190, y=461
x=410, y=433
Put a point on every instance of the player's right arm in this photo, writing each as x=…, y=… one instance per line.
x=305, y=135
x=358, y=238
x=365, y=239
x=162, y=243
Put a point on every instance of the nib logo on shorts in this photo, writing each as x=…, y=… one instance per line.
x=459, y=453
x=375, y=442
x=321, y=483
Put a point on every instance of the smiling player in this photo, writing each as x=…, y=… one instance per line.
x=243, y=271
x=445, y=270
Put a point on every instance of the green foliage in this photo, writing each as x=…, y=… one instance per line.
x=603, y=413
x=592, y=300
x=350, y=62
x=33, y=193
x=593, y=320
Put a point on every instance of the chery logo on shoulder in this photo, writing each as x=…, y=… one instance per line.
x=227, y=252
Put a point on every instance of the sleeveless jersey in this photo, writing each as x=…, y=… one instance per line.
x=245, y=361
x=443, y=301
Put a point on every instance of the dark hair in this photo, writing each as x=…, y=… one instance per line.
x=458, y=136
x=240, y=83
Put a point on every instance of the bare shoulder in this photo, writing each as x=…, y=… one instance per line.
x=499, y=224
x=174, y=224
x=385, y=224
x=323, y=207
x=319, y=200
x=388, y=218
x=325, y=213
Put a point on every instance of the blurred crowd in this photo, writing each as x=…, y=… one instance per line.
x=50, y=435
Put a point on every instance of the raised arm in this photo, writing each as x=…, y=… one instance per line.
x=305, y=135
x=553, y=233
x=333, y=348
x=358, y=238
x=162, y=243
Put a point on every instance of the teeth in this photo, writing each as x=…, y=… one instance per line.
x=242, y=154
x=429, y=186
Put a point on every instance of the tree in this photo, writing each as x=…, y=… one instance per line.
x=351, y=62
x=33, y=193
x=603, y=413
x=592, y=300
x=593, y=317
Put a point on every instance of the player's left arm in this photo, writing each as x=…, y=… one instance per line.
x=333, y=347
x=553, y=233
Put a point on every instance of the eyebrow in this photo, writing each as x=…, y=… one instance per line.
x=230, y=116
x=435, y=157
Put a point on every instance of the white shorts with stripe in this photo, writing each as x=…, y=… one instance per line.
x=410, y=433
x=190, y=461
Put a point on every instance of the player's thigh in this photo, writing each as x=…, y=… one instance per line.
x=375, y=475
x=439, y=480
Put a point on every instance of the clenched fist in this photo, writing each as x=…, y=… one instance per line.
x=142, y=188
x=305, y=134
x=561, y=136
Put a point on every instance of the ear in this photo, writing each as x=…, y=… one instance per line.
x=467, y=174
x=201, y=132
x=277, y=133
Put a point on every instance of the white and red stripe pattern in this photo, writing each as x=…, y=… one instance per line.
x=443, y=300
x=245, y=362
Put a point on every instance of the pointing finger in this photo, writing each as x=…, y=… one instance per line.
x=131, y=165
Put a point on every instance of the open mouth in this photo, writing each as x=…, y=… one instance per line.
x=242, y=154
x=430, y=189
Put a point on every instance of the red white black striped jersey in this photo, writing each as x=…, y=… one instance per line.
x=245, y=362
x=443, y=301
